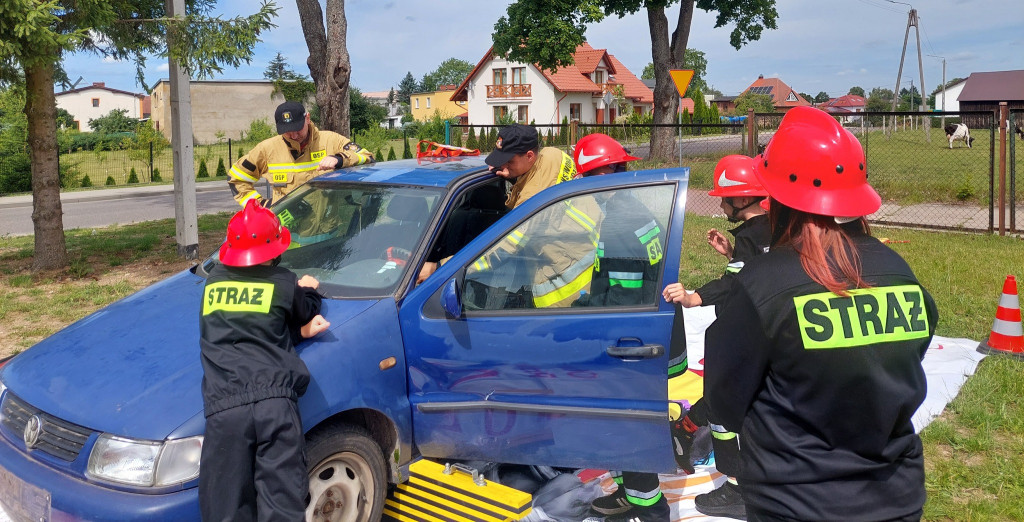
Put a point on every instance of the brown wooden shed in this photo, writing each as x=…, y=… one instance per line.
x=984, y=90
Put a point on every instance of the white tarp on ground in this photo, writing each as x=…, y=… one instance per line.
x=947, y=364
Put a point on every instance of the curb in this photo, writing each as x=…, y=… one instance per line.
x=112, y=194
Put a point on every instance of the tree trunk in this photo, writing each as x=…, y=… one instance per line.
x=328, y=60
x=667, y=56
x=47, y=216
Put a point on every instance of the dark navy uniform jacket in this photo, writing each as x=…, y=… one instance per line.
x=752, y=238
x=822, y=388
x=251, y=318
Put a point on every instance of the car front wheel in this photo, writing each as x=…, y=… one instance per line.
x=347, y=479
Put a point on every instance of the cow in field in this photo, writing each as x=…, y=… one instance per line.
x=958, y=131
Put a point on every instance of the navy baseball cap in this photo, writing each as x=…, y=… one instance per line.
x=290, y=117
x=512, y=139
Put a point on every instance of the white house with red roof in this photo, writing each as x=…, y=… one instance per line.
x=96, y=100
x=497, y=87
x=783, y=96
x=845, y=106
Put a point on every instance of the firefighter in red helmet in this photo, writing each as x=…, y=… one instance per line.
x=252, y=465
x=815, y=358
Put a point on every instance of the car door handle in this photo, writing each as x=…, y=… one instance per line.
x=643, y=351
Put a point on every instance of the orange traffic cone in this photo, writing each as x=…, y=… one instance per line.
x=1007, y=334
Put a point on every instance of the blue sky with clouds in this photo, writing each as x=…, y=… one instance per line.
x=818, y=46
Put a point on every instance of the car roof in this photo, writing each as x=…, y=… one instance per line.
x=428, y=172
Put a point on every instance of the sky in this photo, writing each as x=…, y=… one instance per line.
x=819, y=45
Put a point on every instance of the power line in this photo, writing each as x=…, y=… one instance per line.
x=883, y=7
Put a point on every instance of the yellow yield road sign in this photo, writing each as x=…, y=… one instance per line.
x=681, y=77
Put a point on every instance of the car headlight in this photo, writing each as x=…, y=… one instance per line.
x=144, y=463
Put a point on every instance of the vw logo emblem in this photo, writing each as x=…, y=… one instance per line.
x=33, y=428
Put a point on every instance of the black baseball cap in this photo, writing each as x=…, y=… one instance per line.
x=512, y=139
x=290, y=117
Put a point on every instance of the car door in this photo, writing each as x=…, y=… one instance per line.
x=500, y=374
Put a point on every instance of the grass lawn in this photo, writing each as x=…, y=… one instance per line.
x=974, y=452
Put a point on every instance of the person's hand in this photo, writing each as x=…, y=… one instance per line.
x=720, y=243
x=328, y=163
x=428, y=268
x=674, y=293
x=314, y=326
x=309, y=281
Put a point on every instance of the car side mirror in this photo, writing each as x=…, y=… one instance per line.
x=451, y=298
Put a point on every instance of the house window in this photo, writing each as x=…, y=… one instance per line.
x=791, y=97
x=524, y=114
x=575, y=111
x=518, y=75
x=639, y=109
x=428, y=102
x=417, y=102
x=500, y=77
x=95, y=102
x=500, y=112
x=599, y=77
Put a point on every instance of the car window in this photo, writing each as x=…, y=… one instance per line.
x=356, y=239
x=603, y=249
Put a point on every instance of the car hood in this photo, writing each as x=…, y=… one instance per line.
x=132, y=368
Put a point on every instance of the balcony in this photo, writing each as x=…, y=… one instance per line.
x=510, y=90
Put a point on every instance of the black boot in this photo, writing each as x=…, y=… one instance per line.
x=726, y=501
x=611, y=504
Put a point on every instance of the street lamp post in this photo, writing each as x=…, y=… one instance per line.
x=943, y=88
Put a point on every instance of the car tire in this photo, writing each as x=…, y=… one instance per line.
x=347, y=476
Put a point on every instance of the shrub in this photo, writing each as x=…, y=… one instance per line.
x=457, y=139
x=203, y=171
x=240, y=153
x=377, y=155
x=133, y=177
x=86, y=182
x=110, y=181
x=406, y=151
x=156, y=175
x=259, y=130
x=471, y=142
x=221, y=171
x=391, y=154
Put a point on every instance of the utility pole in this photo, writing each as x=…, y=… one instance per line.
x=912, y=21
x=185, y=215
x=943, y=124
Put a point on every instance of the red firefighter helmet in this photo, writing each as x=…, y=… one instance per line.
x=255, y=235
x=598, y=150
x=734, y=177
x=815, y=165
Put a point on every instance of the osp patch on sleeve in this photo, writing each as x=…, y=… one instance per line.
x=233, y=296
x=866, y=316
x=318, y=155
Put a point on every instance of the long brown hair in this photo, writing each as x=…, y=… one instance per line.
x=827, y=254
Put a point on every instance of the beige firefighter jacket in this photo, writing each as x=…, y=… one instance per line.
x=287, y=166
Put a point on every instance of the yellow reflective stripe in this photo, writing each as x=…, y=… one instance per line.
x=292, y=167
x=568, y=169
x=515, y=237
x=233, y=296
x=251, y=195
x=580, y=217
x=572, y=288
x=867, y=316
x=481, y=264
x=728, y=435
x=241, y=175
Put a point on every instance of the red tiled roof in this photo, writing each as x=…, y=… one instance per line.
x=779, y=92
x=634, y=88
x=587, y=58
x=848, y=100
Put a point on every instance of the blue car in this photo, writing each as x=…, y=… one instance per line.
x=104, y=419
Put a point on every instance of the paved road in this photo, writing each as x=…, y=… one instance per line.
x=103, y=207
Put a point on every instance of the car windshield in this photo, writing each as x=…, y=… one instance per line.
x=355, y=238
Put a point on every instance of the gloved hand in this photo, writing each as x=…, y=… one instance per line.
x=682, y=442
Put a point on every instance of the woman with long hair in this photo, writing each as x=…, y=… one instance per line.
x=815, y=359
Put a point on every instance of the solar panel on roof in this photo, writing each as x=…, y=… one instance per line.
x=761, y=89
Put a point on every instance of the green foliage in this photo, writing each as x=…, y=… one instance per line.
x=563, y=132
x=471, y=142
x=86, y=182
x=858, y=91
x=278, y=69
x=203, y=172
x=222, y=172
x=375, y=138
x=405, y=88
x=156, y=175
x=64, y=119
x=821, y=97
x=391, y=154
x=300, y=90
x=492, y=138
x=17, y=173
x=433, y=127
x=377, y=154
x=406, y=151
x=451, y=72
x=133, y=178
x=761, y=103
x=456, y=136
x=364, y=114
x=114, y=122
x=145, y=136
x=259, y=130
x=241, y=152
x=110, y=181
